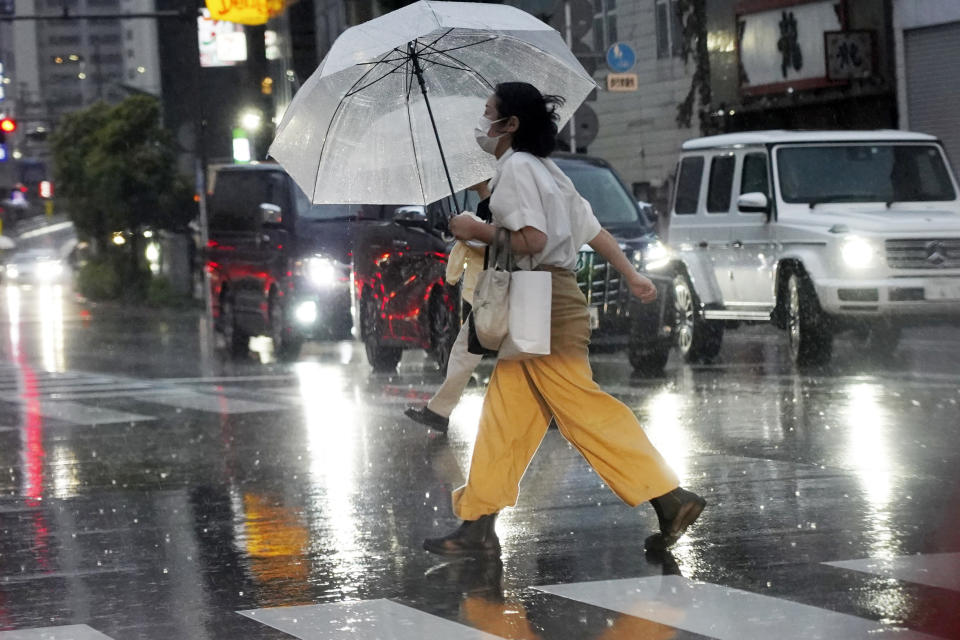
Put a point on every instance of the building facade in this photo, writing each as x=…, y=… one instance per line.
x=65, y=60
x=638, y=130
x=927, y=39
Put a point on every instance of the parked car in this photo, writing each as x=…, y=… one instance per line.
x=404, y=303
x=816, y=231
x=279, y=265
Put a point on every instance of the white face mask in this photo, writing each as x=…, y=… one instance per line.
x=487, y=142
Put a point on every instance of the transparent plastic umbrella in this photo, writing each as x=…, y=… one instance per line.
x=388, y=116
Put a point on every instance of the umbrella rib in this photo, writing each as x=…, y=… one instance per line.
x=355, y=90
x=431, y=63
x=464, y=64
x=381, y=61
x=439, y=38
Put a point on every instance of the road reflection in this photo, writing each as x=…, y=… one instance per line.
x=335, y=424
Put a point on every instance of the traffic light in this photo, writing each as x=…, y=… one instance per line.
x=7, y=125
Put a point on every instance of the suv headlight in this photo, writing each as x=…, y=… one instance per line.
x=657, y=255
x=857, y=253
x=321, y=272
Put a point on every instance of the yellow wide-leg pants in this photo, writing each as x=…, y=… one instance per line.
x=522, y=397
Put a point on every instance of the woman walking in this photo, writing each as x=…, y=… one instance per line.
x=549, y=222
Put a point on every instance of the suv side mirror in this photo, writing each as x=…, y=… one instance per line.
x=271, y=215
x=753, y=202
x=411, y=216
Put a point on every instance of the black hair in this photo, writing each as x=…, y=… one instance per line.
x=537, y=113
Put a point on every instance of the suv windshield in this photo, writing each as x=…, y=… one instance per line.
x=863, y=173
x=602, y=188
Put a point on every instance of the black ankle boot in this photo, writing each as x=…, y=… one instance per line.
x=471, y=538
x=676, y=511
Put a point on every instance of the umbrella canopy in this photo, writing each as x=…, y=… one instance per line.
x=388, y=116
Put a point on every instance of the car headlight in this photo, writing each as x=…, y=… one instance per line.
x=857, y=253
x=657, y=255
x=322, y=272
x=49, y=270
x=13, y=272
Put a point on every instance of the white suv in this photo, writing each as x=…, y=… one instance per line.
x=816, y=231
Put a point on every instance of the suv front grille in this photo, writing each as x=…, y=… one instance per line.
x=601, y=284
x=937, y=253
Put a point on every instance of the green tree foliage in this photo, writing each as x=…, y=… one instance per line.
x=116, y=168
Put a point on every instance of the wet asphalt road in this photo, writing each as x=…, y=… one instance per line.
x=151, y=489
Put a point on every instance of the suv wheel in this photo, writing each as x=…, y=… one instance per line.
x=443, y=332
x=698, y=340
x=237, y=341
x=811, y=340
x=382, y=359
x=287, y=343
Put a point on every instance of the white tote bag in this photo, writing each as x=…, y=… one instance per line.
x=528, y=333
x=512, y=308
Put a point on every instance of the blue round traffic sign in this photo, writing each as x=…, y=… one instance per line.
x=620, y=57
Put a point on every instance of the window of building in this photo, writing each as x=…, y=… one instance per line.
x=65, y=40
x=604, y=24
x=721, y=184
x=108, y=38
x=669, y=29
x=688, y=185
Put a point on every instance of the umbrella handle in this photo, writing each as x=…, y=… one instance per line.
x=415, y=58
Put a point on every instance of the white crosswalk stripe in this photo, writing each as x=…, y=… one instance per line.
x=724, y=613
x=76, y=397
x=83, y=414
x=187, y=399
x=67, y=632
x=366, y=620
x=930, y=569
x=709, y=610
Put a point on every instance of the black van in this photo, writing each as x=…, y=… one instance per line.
x=283, y=267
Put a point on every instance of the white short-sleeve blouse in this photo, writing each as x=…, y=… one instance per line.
x=533, y=192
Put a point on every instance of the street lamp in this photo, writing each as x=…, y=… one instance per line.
x=251, y=121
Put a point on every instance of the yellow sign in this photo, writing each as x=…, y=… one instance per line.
x=252, y=12
x=622, y=82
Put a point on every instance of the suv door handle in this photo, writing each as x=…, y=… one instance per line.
x=737, y=244
x=400, y=243
x=703, y=244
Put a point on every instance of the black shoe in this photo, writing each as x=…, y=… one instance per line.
x=428, y=418
x=471, y=538
x=676, y=511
